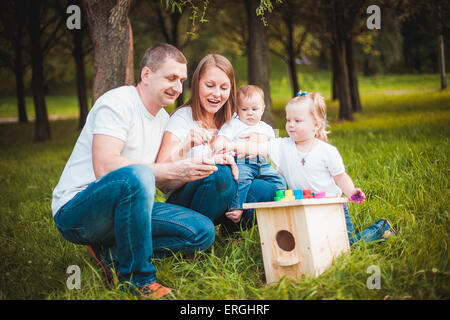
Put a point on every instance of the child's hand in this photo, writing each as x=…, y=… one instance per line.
x=234, y=215
x=196, y=137
x=357, y=196
x=226, y=159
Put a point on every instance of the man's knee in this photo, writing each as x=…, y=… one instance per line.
x=204, y=233
x=140, y=177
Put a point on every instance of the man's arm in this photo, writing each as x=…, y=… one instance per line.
x=106, y=157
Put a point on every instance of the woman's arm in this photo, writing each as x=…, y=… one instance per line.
x=172, y=149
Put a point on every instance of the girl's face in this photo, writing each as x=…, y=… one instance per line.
x=300, y=124
x=214, y=89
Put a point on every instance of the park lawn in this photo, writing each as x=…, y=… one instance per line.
x=397, y=151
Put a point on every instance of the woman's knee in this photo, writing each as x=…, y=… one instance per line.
x=224, y=181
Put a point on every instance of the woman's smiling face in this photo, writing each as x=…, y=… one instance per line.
x=214, y=89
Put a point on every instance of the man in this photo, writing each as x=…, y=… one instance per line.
x=105, y=196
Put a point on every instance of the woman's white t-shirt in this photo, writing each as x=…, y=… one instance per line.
x=321, y=164
x=180, y=123
x=118, y=113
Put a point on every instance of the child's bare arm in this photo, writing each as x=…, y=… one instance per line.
x=249, y=148
x=345, y=183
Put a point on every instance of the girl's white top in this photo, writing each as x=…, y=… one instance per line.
x=321, y=164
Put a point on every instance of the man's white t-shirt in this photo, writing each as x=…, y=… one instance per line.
x=180, y=123
x=322, y=163
x=236, y=128
x=118, y=113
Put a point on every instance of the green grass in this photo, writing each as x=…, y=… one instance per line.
x=397, y=151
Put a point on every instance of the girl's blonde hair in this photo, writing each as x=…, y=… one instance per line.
x=318, y=110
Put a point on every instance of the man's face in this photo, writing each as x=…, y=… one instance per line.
x=166, y=83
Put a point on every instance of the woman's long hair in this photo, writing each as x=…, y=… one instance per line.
x=229, y=108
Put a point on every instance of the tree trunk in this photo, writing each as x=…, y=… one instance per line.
x=368, y=66
x=77, y=38
x=322, y=64
x=19, y=16
x=111, y=36
x=291, y=60
x=258, y=56
x=129, y=72
x=442, y=63
x=343, y=84
x=42, y=125
x=353, y=74
x=334, y=72
x=293, y=75
x=18, y=70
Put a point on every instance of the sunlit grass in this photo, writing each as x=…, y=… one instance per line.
x=397, y=151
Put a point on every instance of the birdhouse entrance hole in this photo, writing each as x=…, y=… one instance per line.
x=285, y=240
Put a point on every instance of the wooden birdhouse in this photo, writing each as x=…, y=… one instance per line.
x=300, y=237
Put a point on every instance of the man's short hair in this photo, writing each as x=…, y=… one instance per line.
x=157, y=54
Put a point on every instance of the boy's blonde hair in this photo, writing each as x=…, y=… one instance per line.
x=318, y=110
x=248, y=91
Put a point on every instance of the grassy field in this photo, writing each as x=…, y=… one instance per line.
x=397, y=151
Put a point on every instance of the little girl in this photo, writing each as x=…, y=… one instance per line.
x=307, y=161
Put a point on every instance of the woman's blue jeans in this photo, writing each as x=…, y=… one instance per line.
x=212, y=196
x=373, y=233
x=118, y=212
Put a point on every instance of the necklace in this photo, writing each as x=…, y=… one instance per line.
x=303, y=161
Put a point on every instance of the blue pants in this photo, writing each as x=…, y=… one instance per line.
x=118, y=212
x=250, y=170
x=372, y=233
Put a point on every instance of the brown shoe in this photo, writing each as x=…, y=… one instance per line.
x=155, y=291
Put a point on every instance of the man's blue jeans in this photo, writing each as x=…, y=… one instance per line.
x=251, y=169
x=118, y=212
x=373, y=233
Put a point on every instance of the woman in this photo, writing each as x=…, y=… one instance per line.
x=191, y=130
